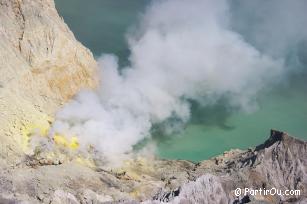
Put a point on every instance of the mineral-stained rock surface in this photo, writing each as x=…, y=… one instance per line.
x=41, y=66
x=279, y=163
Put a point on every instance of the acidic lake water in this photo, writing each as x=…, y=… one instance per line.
x=101, y=25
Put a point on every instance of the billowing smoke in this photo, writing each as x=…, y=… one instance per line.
x=184, y=51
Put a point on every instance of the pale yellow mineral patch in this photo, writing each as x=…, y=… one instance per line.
x=71, y=143
x=39, y=128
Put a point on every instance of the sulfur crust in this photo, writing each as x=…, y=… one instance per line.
x=41, y=128
x=71, y=143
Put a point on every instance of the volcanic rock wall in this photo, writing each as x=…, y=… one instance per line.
x=42, y=65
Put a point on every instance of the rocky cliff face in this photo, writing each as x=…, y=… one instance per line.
x=41, y=66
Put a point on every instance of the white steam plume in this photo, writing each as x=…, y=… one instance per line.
x=184, y=50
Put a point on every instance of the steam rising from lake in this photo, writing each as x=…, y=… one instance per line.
x=186, y=51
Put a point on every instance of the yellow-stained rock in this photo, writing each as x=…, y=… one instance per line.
x=61, y=140
x=42, y=66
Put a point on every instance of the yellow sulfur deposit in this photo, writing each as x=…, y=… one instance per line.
x=40, y=128
x=62, y=140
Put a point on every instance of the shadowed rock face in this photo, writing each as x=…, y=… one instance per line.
x=41, y=67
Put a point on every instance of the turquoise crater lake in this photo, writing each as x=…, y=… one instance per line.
x=101, y=25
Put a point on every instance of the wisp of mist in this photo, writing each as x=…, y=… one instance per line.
x=185, y=51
